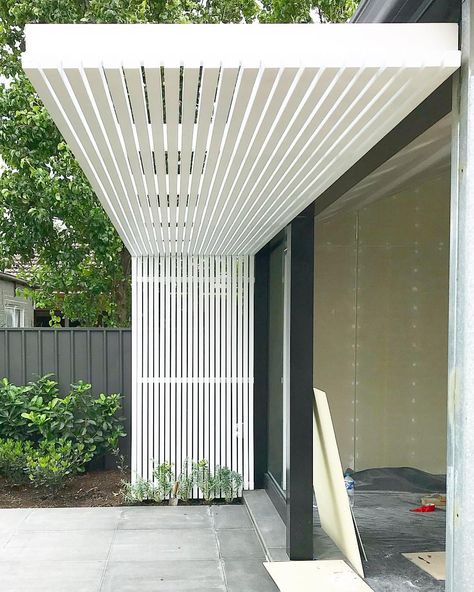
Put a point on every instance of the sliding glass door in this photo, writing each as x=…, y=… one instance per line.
x=276, y=364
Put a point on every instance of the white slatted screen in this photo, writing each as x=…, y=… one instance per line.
x=193, y=364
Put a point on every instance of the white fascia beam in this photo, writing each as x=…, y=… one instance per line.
x=278, y=46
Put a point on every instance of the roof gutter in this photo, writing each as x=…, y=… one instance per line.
x=407, y=11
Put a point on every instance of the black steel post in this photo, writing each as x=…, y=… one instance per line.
x=299, y=454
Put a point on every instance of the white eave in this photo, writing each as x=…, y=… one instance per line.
x=209, y=139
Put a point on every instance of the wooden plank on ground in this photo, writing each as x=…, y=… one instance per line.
x=315, y=576
x=328, y=481
x=433, y=563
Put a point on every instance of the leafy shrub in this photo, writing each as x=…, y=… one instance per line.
x=17, y=400
x=13, y=460
x=48, y=465
x=78, y=417
x=120, y=461
x=185, y=481
x=223, y=482
x=46, y=438
x=52, y=463
x=163, y=481
x=44, y=387
x=37, y=412
x=229, y=483
x=139, y=491
x=205, y=480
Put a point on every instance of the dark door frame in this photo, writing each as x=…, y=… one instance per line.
x=296, y=506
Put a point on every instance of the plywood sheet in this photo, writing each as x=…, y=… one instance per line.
x=433, y=563
x=315, y=576
x=331, y=497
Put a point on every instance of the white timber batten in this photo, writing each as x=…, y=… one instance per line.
x=202, y=142
x=193, y=370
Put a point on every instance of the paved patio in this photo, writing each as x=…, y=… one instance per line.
x=131, y=549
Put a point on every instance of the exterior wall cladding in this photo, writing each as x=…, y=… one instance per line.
x=8, y=297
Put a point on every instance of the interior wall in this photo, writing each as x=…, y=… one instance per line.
x=381, y=320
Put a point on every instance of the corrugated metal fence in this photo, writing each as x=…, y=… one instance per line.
x=102, y=357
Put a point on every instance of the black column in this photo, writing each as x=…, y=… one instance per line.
x=261, y=368
x=299, y=480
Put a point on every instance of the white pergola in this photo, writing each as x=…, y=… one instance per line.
x=202, y=142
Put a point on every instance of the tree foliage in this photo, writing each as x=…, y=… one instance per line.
x=50, y=219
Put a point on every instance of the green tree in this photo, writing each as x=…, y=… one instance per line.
x=51, y=222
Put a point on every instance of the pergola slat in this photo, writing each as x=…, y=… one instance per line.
x=225, y=144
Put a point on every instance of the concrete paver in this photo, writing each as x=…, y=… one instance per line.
x=188, y=548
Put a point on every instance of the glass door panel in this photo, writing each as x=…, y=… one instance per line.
x=276, y=308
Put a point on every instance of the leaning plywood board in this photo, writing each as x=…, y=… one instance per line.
x=433, y=563
x=315, y=576
x=331, y=496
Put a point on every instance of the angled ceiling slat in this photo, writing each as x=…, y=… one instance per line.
x=53, y=105
x=250, y=104
x=384, y=107
x=205, y=107
x=209, y=140
x=315, y=140
x=120, y=98
x=78, y=84
x=95, y=79
x=155, y=106
x=428, y=156
x=189, y=94
x=274, y=125
x=171, y=84
x=139, y=108
x=243, y=96
x=389, y=112
x=304, y=120
x=221, y=189
x=224, y=97
x=69, y=101
x=304, y=169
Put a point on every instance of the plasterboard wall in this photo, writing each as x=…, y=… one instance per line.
x=381, y=287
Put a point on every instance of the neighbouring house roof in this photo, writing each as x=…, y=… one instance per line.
x=209, y=139
x=12, y=278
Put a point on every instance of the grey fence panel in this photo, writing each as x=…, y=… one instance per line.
x=102, y=357
x=126, y=379
x=81, y=354
x=32, y=354
x=3, y=356
x=49, y=352
x=17, y=356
